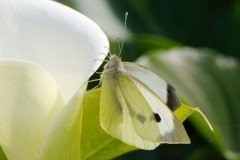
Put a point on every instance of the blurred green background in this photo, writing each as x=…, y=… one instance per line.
x=195, y=46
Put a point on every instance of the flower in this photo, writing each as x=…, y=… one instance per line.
x=47, y=53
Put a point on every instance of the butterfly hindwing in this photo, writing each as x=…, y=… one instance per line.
x=111, y=110
x=163, y=100
x=170, y=128
x=158, y=85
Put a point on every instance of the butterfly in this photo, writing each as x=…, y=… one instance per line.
x=136, y=106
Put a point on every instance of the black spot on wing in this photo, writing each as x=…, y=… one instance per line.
x=157, y=117
x=173, y=101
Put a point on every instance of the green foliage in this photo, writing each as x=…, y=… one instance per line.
x=199, y=23
x=2, y=155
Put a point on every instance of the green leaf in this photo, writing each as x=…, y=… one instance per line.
x=147, y=42
x=183, y=112
x=96, y=143
x=62, y=140
x=2, y=155
x=208, y=80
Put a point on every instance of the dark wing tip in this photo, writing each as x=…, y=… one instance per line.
x=173, y=101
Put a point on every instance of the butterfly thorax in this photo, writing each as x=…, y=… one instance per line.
x=114, y=65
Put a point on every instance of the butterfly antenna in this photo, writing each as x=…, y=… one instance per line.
x=125, y=24
x=119, y=46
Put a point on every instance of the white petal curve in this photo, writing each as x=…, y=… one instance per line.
x=54, y=36
x=29, y=101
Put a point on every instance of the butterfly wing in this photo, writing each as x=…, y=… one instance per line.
x=170, y=128
x=126, y=115
x=156, y=84
x=162, y=97
x=133, y=114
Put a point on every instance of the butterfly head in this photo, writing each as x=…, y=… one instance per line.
x=114, y=64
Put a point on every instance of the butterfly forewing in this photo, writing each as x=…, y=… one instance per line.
x=111, y=111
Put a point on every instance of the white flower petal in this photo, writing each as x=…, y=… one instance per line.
x=29, y=101
x=54, y=36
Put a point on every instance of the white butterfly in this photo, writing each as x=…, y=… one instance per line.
x=137, y=106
